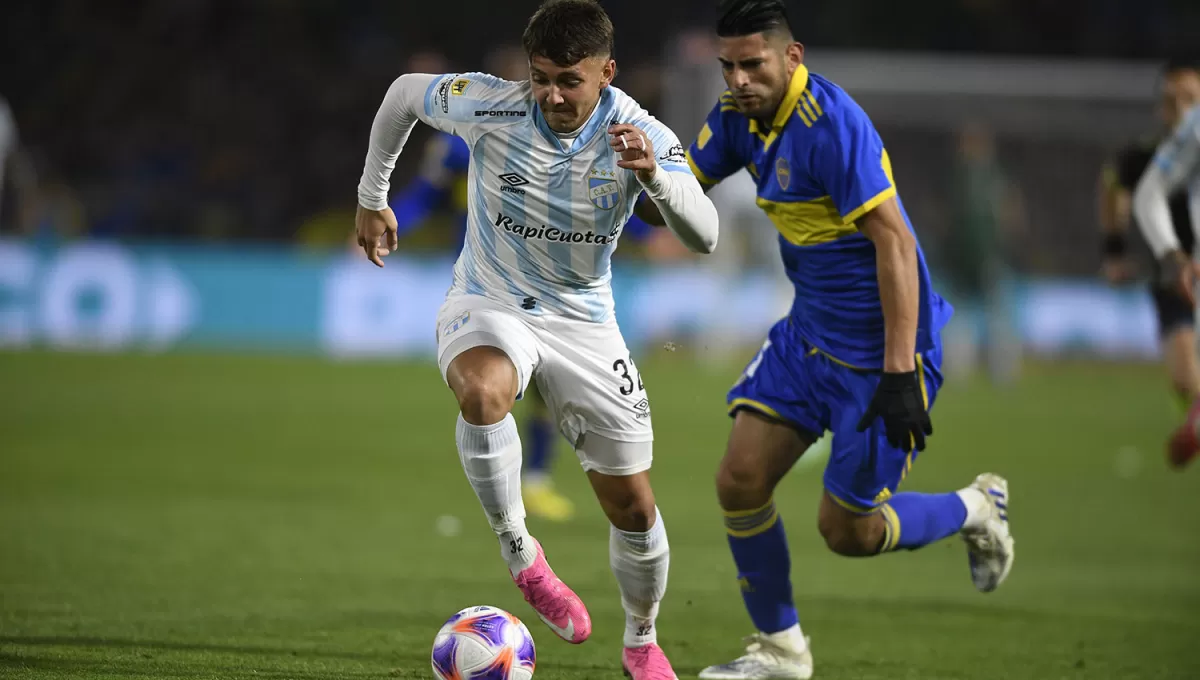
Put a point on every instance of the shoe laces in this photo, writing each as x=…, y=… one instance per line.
x=543, y=593
x=763, y=649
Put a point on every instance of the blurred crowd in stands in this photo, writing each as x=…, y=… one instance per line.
x=218, y=120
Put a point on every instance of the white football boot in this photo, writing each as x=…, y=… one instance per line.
x=764, y=660
x=990, y=548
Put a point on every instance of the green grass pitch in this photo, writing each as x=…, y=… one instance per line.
x=246, y=517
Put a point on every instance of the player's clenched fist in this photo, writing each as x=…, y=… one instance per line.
x=372, y=225
x=635, y=150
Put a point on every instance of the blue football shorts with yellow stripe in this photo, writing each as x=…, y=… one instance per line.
x=792, y=381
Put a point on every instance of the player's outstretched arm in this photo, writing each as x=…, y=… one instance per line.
x=677, y=195
x=898, y=397
x=393, y=123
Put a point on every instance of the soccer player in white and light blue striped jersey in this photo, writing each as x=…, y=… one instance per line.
x=1176, y=166
x=557, y=165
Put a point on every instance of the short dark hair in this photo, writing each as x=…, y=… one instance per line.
x=747, y=17
x=1181, y=62
x=568, y=31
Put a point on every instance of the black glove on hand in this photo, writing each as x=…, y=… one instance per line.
x=899, y=402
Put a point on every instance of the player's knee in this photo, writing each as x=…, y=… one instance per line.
x=483, y=403
x=635, y=517
x=741, y=486
x=858, y=536
x=627, y=501
x=484, y=381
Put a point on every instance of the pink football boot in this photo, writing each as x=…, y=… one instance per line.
x=647, y=663
x=556, y=604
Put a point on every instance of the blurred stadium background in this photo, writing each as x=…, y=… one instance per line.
x=225, y=450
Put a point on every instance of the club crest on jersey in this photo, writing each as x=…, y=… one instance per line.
x=603, y=189
x=783, y=173
x=456, y=323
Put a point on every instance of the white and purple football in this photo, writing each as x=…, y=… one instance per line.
x=483, y=643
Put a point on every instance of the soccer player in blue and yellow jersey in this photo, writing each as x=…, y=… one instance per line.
x=858, y=354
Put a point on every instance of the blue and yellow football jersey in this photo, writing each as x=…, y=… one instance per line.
x=819, y=168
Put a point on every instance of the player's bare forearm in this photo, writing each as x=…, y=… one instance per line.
x=899, y=286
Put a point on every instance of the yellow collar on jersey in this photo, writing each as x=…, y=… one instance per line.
x=795, y=90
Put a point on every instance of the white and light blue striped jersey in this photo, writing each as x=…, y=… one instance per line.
x=542, y=221
x=1178, y=159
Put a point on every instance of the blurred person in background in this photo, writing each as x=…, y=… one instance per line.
x=1175, y=167
x=1179, y=90
x=36, y=205
x=988, y=211
x=418, y=202
x=8, y=147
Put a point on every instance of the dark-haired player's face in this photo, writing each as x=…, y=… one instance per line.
x=757, y=69
x=568, y=95
x=1180, y=92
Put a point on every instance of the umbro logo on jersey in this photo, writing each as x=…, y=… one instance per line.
x=511, y=181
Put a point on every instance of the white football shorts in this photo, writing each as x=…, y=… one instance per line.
x=583, y=370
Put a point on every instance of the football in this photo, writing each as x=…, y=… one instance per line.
x=483, y=643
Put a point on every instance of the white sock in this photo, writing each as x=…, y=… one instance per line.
x=491, y=457
x=979, y=507
x=640, y=561
x=791, y=639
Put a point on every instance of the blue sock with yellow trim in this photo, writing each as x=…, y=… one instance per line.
x=539, y=432
x=915, y=520
x=760, y=550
